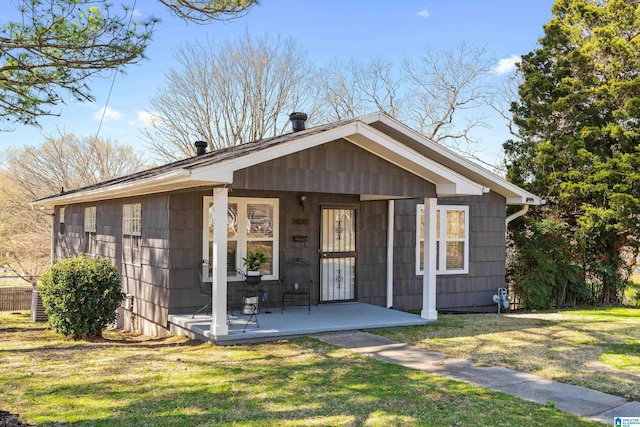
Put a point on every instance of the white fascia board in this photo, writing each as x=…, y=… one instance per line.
x=213, y=174
x=527, y=199
x=513, y=193
x=447, y=181
x=171, y=180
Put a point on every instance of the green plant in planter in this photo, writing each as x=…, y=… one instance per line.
x=254, y=261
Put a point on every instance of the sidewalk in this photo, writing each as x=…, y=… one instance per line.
x=573, y=399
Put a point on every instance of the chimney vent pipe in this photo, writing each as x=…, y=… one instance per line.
x=297, y=121
x=201, y=147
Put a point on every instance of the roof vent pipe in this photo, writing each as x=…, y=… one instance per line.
x=201, y=147
x=297, y=121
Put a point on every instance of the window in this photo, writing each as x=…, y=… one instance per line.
x=252, y=226
x=131, y=233
x=61, y=221
x=90, y=230
x=452, y=234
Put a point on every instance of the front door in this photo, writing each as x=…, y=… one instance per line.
x=338, y=254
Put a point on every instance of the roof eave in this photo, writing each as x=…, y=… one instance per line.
x=173, y=180
x=513, y=194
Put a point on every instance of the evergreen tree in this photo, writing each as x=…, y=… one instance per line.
x=56, y=46
x=578, y=116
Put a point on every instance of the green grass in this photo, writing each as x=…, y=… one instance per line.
x=595, y=348
x=632, y=293
x=126, y=380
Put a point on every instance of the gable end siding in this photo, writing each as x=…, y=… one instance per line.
x=336, y=167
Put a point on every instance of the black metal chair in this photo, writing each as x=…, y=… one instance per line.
x=206, y=289
x=296, y=283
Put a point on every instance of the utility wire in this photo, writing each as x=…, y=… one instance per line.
x=113, y=81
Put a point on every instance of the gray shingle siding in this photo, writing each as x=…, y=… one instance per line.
x=463, y=292
x=149, y=281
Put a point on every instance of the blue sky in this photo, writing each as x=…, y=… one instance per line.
x=326, y=29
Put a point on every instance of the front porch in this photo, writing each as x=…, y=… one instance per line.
x=295, y=322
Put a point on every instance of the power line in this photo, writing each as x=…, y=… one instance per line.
x=113, y=81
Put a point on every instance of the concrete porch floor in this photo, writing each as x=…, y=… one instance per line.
x=295, y=321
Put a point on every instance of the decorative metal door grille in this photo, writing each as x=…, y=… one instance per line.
x=338, y=253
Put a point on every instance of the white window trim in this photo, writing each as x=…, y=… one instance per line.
x=443, y=253
x=90, y=229
x=241, y=249
x=126, y=233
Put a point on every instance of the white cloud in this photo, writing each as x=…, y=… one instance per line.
x=137, y=13
x=149, y=119
x=506, y=65
x=424, y=13
x=109, y=114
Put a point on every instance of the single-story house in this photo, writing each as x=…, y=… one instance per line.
x=382, y=214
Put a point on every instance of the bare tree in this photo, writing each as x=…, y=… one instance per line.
x=505, y=96
x=379, y=85
x=355, y=88
x=24, y=233
x=229, y=93
x=337, y=93
x=242, y=91
x=63, y=161
x=445, y=84
x=441, y=95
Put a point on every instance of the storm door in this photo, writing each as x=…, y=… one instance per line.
x=338, y=254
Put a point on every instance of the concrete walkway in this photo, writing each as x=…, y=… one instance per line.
x=576, y=400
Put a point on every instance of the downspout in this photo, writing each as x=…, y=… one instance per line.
x=516, y=215
x=52, y=250
x=390, y=227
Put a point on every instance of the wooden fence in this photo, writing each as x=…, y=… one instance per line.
x=15, y=298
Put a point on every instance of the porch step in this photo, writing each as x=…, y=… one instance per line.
x=194, y=329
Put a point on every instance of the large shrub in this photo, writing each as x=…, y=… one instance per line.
x=544, y=271
x=80, y=295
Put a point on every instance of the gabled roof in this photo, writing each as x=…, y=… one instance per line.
x=514, y=194
x=377, y=133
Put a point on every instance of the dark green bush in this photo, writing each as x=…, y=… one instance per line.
x=80, y=295
x=545, y=271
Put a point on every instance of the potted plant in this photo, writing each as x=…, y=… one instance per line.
x=253, y=263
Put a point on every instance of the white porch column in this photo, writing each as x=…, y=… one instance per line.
x=219, y=268
x=429, y=278
x=390, y=229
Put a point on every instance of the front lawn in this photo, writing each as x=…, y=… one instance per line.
x=126, y=380
x=597, y=348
